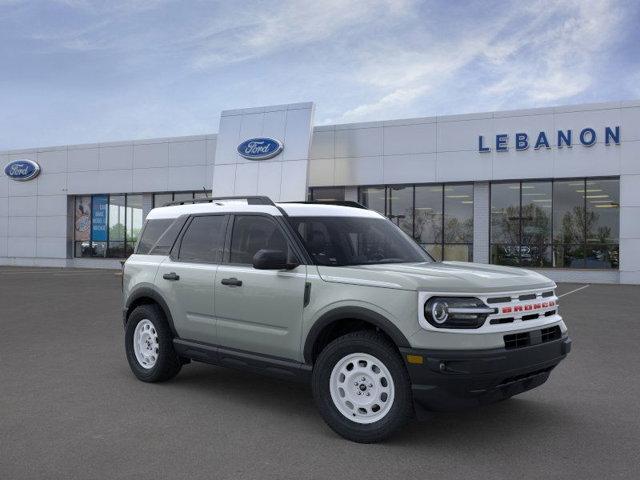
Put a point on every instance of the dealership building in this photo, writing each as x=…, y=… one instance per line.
x=552, y=189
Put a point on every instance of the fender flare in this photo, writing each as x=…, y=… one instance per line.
x=356, y=313
x=147, y=292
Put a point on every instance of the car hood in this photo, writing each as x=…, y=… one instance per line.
x=439, y=277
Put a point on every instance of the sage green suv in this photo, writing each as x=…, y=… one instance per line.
x=336, y=295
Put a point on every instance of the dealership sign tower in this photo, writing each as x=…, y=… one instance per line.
x=264, y=151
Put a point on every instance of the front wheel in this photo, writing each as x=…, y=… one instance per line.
x=362, y=387
x=149, y=345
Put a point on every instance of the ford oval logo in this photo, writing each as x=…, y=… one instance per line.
x=260, y=148
x=22, y=170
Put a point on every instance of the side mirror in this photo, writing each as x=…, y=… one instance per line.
x=272, y=260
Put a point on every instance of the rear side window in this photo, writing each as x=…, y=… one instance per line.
x=168, y=238
x=153, y=230
x=203, y=240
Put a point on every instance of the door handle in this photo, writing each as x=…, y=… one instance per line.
x=231, y=282
x=171, y=276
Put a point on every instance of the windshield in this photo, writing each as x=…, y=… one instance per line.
x=340, y=241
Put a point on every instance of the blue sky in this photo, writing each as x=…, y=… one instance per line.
x=76, y=71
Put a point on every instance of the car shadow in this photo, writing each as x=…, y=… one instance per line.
x=506, y=420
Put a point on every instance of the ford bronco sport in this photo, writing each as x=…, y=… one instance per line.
x=338, y=296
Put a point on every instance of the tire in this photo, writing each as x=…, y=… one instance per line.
x=156, y=360
x=349, y=362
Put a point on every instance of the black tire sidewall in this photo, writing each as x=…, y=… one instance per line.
x=167, y=364
x=377, y=346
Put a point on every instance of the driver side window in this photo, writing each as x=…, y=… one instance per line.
x=252, y=233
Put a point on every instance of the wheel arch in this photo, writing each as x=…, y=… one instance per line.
x=331, y=321
x=145, y=296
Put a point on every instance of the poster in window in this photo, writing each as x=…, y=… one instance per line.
x=99, y=218
x=83, y=218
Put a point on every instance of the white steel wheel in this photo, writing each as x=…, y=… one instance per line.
x=145, y=344
x=362, y=388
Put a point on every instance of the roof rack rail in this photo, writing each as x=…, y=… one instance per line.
x=341, y=203
x=251, y=200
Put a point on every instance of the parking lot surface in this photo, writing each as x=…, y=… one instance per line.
x=70, y=408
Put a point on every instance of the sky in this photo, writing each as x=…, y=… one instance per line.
x=80, y=71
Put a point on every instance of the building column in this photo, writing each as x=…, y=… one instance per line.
x=481, y=216
x=629, y=229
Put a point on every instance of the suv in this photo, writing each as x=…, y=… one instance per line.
x=338, y=296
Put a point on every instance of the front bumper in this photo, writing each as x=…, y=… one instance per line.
x=454, y=379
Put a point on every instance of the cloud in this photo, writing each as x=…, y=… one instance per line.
x=538, y=53
x=285, y=26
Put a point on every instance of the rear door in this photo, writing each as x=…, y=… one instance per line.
x=187, y=277
x=259, y=310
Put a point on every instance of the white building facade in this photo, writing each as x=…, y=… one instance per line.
x=551, y=189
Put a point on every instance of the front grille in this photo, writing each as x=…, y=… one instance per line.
x=528, y=296
x=547, y=294
x=499, y=300
x=533, y=316
x=517, y=340
x=551, y=333
x=524, y=339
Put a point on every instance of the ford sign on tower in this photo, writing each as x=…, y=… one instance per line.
x=260, y=148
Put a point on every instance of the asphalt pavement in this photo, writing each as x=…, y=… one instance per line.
x=71, y=409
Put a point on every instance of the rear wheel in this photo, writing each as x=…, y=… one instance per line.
x=149, y=345
x=362, y=388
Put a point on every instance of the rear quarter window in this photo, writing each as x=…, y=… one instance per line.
x=159, y=235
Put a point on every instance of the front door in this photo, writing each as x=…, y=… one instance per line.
x=259, y=310
x=187, y=279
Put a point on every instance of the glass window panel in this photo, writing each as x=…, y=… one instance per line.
x=428, y=214
x=536, y=213
x=568, y=211
x=83, y=249
x=536, y=217
x=603, y=256
x=505, y=213
x=99, y=249
x=373, y=198
x=400, y=207
x=505, y=254
x=134, y=220
x=161, y=199
x=182, y=196
x=603, y=211
x=201, y=195
x=116, y=218
x=458, y=253
x=435, y=250
x=568, y=256
x=115, y=250
x=204, y=239
x=535, y=255
x=82, y=229
x=458, y=214
x=327, y=194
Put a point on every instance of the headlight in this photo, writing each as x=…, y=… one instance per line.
x=452, y=312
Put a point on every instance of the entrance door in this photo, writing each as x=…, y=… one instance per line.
x=259, y=310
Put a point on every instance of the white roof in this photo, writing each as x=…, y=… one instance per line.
x=240, y=206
